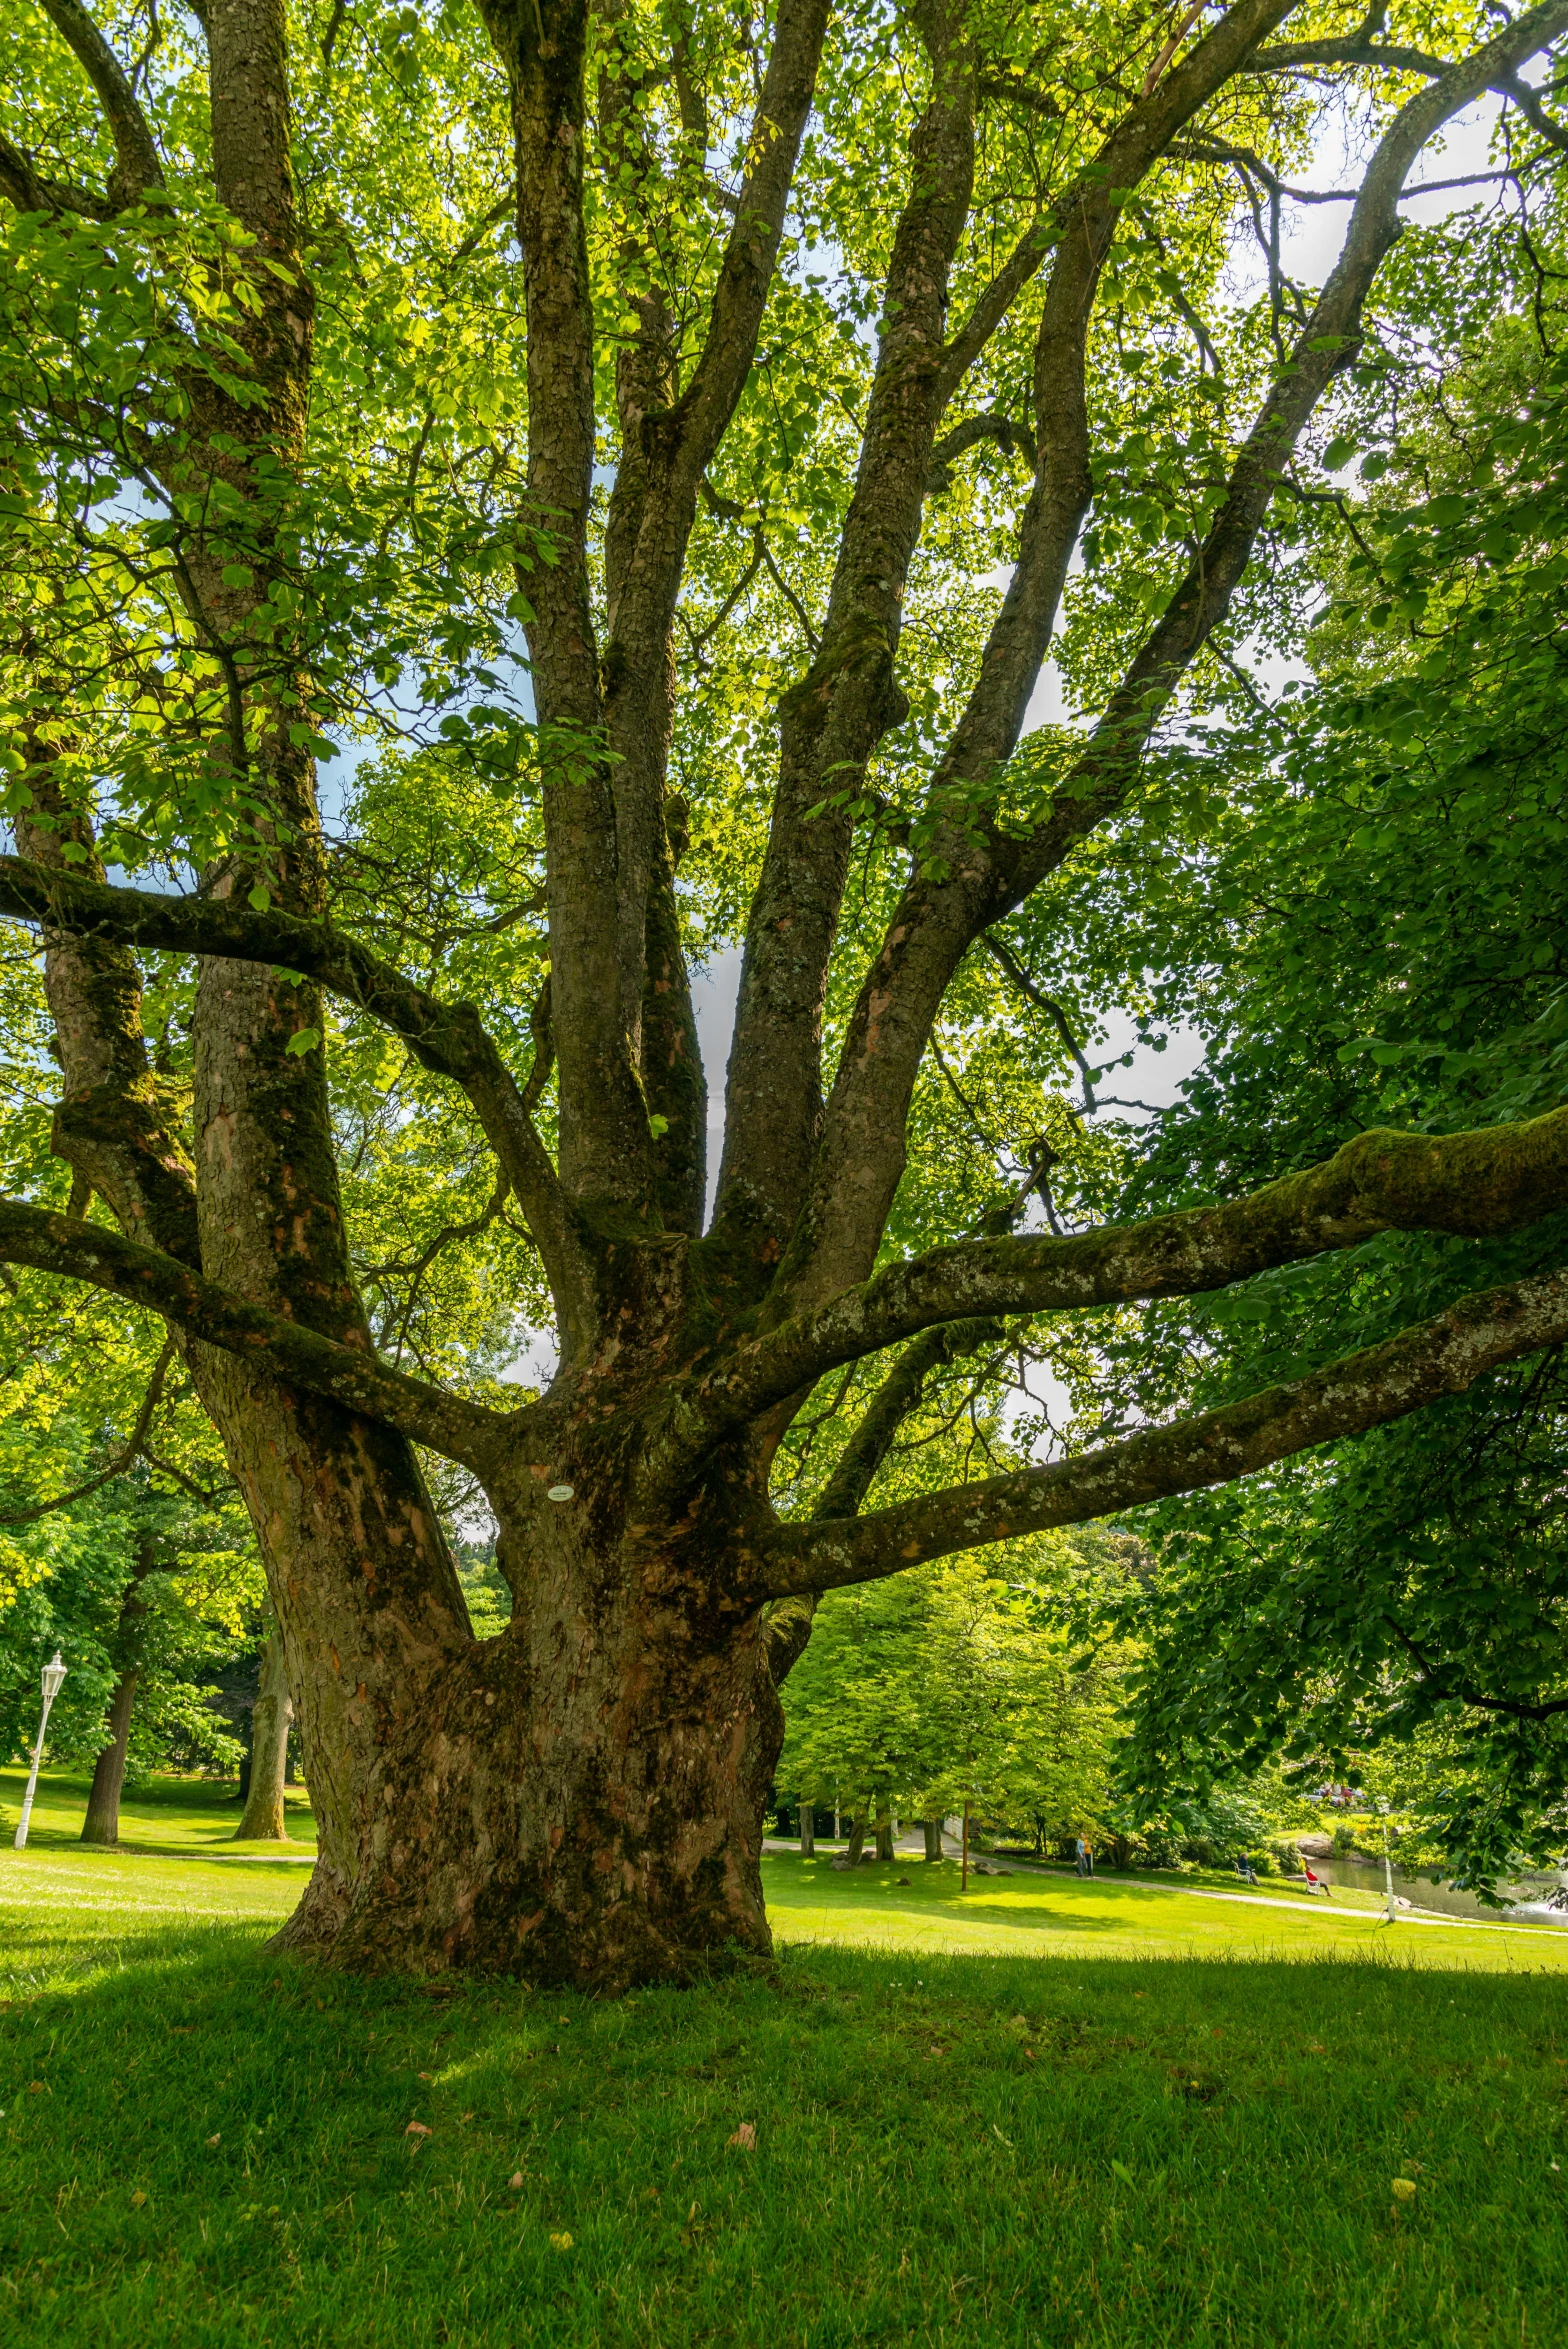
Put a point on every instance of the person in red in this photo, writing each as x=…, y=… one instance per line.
x=1315, y=1883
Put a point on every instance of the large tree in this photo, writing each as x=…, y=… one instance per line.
x=783, y=401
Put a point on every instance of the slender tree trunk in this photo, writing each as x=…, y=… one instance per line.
x=808, y=1830
x=884, y=1835
x=932, y=1830
x=102, y=1823
x=263, y=1817
x=849, y=1857
x=243, y=1796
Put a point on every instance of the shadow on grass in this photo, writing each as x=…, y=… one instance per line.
x=205, y=2145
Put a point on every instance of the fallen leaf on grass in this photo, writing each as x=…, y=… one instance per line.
x=214, y=2140
x=515, y=2180
x=35, y=2087
x=561, y=2241
x=1404, y=2189
x=416, y=2129
x=745, y=2137
x=137, y=2199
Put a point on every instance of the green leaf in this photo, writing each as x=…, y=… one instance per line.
x=304, y=1040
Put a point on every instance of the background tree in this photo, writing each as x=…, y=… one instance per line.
x=954, y=1687
x=727, y=452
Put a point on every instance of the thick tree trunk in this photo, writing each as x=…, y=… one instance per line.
x=577, y=1801
x=102, y=1823
x=932, y=1830
x=808, y=1830
x=263, y=1821
x=884, y=1835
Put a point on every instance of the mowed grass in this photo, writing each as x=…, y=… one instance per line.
x=174, y=1815
x=910, y=1906
x=1105, y=2133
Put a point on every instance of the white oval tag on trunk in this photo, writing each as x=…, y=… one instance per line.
x=559, y=1492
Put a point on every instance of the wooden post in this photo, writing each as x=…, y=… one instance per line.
x=963, y=1880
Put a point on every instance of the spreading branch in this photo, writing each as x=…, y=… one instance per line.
x=133, y=1449
x=447, y=1038
x=1443, y=1356
x=861, y=1157
x=137, y=166
x=286, y=1349
x=1495, y=1179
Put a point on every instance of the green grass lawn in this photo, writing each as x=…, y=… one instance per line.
x=1113, y=2117
x=174, y=1815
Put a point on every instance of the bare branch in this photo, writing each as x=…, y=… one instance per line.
x=861, y=1156
x=1005, y=959
x=974, y=429
x=131, y=1450
x=890, y=1406
x=29, y=190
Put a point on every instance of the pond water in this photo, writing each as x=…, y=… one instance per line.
x=1446, y=1899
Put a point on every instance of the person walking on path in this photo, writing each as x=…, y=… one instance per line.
x=1085, y=1856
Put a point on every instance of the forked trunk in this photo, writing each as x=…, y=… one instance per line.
x=263, y=1820
x=102, y=1823
x=578, y=1800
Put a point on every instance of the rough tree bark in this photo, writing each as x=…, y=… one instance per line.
x=932, y=1830
x=580, y=1799
x=263, y=1819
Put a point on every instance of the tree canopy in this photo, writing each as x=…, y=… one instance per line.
x=502, y=502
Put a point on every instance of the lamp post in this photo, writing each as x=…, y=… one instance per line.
x=1388, y=1865
x=53, y=1674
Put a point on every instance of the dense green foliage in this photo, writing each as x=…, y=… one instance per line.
x=1377, y=900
